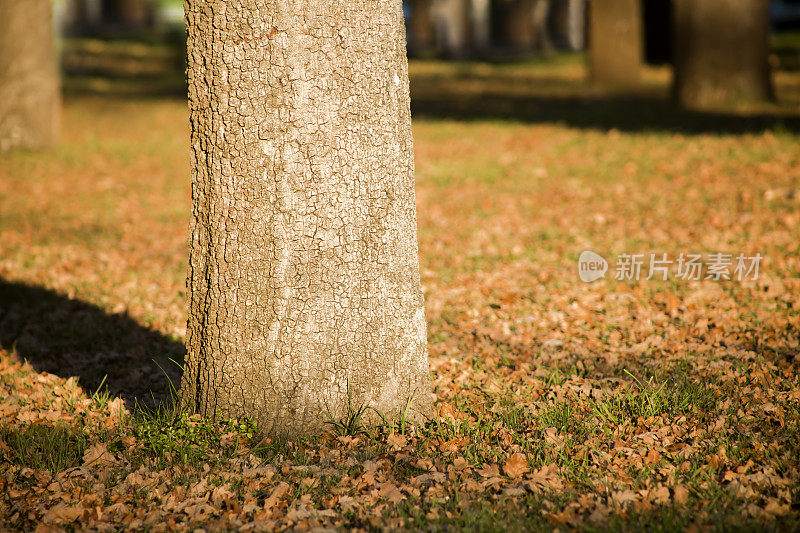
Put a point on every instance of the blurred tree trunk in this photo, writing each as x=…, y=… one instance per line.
x=453, y=27
x=519, y=24
x=128, y=13
x=82, y=14
x=480, y=20
x=568, y=22
x=615, y=41
x=721, y=53
x=514, y=24
x=421, y=28
x=305, y=300
x=30, y=99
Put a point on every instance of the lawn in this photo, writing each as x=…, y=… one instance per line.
x=644, y=404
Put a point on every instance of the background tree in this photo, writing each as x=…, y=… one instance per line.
x=615, y=41
x=480, y=25
x=721, y=52
x=568, y=23
x=452, y=18
x=420, y=27
x=521, y=25
x=305, y=300
x=29, y=87
x=128, y=13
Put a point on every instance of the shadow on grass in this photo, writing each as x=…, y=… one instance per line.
x=630, y=113
x=68, y=337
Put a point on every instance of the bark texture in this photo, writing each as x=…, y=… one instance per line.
x=304, y=281
x=615, y=41
x=30, y=99
x=721, y=52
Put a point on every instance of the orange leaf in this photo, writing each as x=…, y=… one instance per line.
x=516, y=465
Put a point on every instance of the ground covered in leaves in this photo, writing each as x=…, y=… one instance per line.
x=644, y=404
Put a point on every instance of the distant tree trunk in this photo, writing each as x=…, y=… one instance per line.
x=514, y=24
x=541, y=28
x=30, y=100
x=305, y=299
x=82, y=14
x=421, y=28
x=480, y=19
x=615, y=41
x=453, y=27
x=721, y=52
x=568, y=23
x=128, y=13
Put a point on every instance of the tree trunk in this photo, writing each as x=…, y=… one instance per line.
x=568, y=23
x=82, y=14
x=305, y=300
x=30, y=99
x=721, y=52
x=514, y=24
x=615, y=41
x=130, y=14
x=541, y=32
x=453, y=22
x=480, y=22
x=421, y=28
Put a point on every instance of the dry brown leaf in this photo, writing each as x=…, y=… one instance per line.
x=63, y=513
x=516, y=465
x=488, y=470
x=396, y=441
x=98, y=456
x=681, y=494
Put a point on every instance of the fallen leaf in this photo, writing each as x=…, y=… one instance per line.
x=396, y=441
x=681, y=494
x=516, y=465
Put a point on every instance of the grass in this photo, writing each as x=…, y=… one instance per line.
x=43, y=447
x=612, y=391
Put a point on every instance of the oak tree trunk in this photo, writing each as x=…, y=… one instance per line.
x=30, y=98
x=615, y=41
x=305, y=300
x=721, y=52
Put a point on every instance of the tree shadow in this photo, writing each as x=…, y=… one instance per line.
x=68, y=337
x=546, y=100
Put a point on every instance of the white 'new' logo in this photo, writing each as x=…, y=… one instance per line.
x=591, y=266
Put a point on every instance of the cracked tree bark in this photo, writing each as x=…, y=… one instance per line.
x=304, y=289
x=30, y=100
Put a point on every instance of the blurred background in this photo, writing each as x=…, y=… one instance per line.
x=137, y=46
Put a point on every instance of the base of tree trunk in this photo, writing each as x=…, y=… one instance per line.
x=721, y=54
x=30, y=98
x=305, y=307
